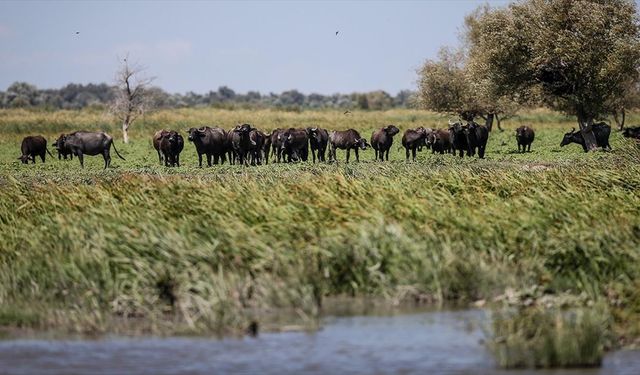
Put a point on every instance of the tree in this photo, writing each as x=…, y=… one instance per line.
x=577, y=56
x=132, y=97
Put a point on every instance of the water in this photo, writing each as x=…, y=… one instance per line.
x=443, y=342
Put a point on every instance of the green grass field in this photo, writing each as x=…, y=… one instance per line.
x=199, y=250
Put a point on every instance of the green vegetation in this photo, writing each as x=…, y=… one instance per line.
x=201, y=250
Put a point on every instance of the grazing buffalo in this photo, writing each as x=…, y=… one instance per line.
x=346, y=140
x=524, y=137
x=33, y=146
x=211, y=142
x=601, y=131
x=440, y=141
x=256, y=148
x=382, y=139
x=296, y=144
x=412, y=139
x=477, y=137
x=157, y=137
x=241, y=142
x=83, y=143
x=632, y=132
x=171, y=145
x=63, y=152
x=318, y=140
x=459, y=140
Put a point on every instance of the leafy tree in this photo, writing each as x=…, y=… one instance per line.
x=579, y=56
x=378, y=100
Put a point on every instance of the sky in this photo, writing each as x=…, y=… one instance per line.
x=266, y=46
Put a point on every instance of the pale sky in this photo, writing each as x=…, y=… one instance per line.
x=268, y=46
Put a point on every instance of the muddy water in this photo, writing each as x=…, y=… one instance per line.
x=440, y=342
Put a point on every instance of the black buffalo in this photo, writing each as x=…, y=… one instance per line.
x=477, y=137
x=157, y=137
x=241, y=143
x=459, y=141
x=296, y=144
x=318, y=140
x=439, y=140
x=211, y=142
x=381, y=141
x=632, y=132
x=346, y=140
x=601, y=131
x=412, y=139
x=63, y=152
x=524, y=137
x=171, y=145
x=33, y=146
x=256, y=148
x=276, y=141
x=83, y=143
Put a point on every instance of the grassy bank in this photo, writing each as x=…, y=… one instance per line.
x=212, y=248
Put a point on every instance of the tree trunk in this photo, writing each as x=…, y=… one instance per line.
x=586, y=128
x=125, y=131
x=498, y=122
x=489, y=121
x=619, y=121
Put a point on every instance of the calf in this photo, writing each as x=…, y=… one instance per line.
x=33, y=146
x=346, y=140
x=171, y=145
x=412, y=139
x=524, y=137
x=211, y=142
x=83, y=143
x=382, y=139
x=296, y=144
x=318, y=140
x=600, y=130
x=63, y=152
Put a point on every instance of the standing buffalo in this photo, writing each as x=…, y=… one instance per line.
x=276, y=140
x=412, y=139
x=63, y=152
x=346, y=140
x=296, y=144
x=477, y=137
x=241, y=142
x=256, y=149
x=459, y=139
x=157, y=137
x=524, y=137
x=33, y=146
x=600, y=130
x=83, y=143
x=171, y=145
x=318, y=139
x=209, y=141
x=382, y=139
x=440, y=141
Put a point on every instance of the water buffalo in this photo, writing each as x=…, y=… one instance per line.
x=211, y=142
x=440, y=141
x=318, y=140
x=477, y=137
x=171, y=145
x=382, y=139
x=157, y=136
x=256, y=148
x=601, y=131
x=33, y=146
x=412, y=139
x=632, y=132
x=63, y=152
x=459, y=139
x=524, y=137
x=83, y=143
x=241, y=142
x=296, y=144
x=346, y=140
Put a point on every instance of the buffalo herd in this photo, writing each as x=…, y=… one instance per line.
x=245, y=144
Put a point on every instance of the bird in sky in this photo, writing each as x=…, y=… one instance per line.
x=337, y=32
x=77, y=32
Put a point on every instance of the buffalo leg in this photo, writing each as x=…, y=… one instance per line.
x=81, y=158
x=200, y=160
x=348, y=152
x=529, y=147
x=413, y=153
x=209, y=159
x=43, y=156
x=357, y=155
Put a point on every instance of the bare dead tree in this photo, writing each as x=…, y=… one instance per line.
x=132, y=97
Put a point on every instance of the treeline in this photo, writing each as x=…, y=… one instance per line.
x=77, y=96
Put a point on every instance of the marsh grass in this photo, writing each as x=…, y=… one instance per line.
x=208, y=249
